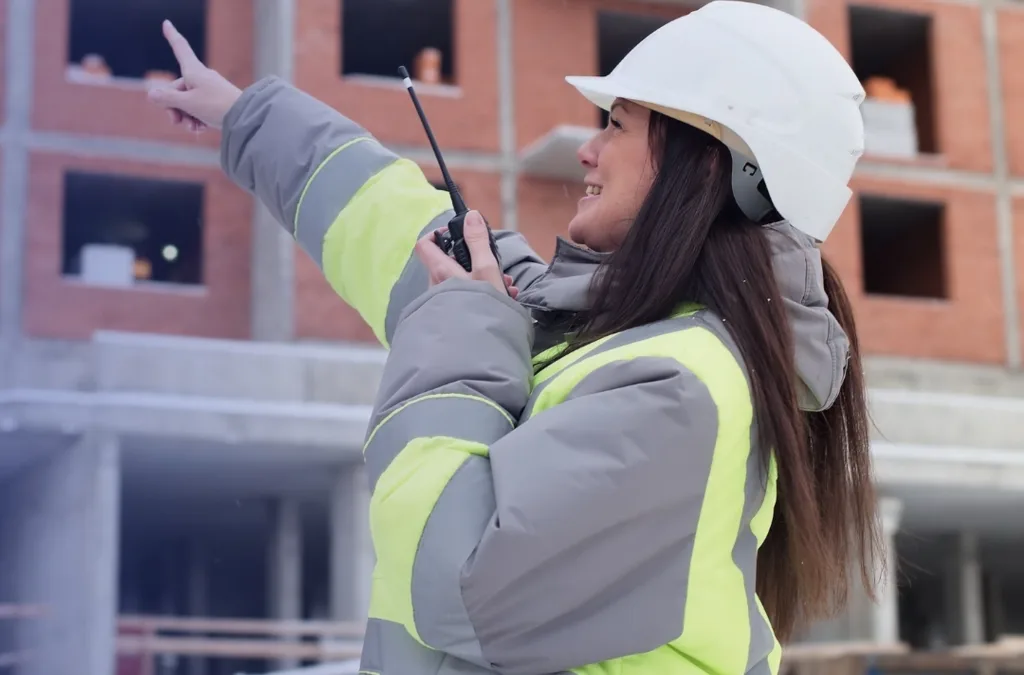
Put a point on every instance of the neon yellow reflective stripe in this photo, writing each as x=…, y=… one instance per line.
x=563, y=363
x=427, y=397
x=762, y=520
x=717, y=627
x=305, y=188
x=405, y=495
x=759, y=526
x=687, y=309
x=372, y=239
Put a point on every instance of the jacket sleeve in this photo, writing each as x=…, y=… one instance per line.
x=356, y=208
x=568, y=540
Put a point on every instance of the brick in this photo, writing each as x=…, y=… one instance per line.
x=545, y=209
x=958, y=67
x=969, y=326
x=60, y=105
x=466, y=119
x=322, y=315
x=1011, y=53
x=59, y=308
x=543, y=98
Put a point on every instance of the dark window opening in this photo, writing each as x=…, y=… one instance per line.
x=617, y=34
x=892, y=55
x=119, y=230
x=903, y=244
x=378, y=36
x=122, y=38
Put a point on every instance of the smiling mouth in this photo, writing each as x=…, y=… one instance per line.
x=593, y=191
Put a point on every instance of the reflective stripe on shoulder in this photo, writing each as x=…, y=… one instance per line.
x=702, y=345
x=539, y=400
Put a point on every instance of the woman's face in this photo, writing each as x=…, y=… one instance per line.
x=619, y=175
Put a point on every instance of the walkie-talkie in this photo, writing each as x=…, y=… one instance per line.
x=453, y=242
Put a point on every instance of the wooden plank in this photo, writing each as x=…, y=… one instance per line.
x=9, y=611
x=242, y=649
x=335, y=629
x=834, y=650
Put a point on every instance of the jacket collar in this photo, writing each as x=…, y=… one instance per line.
x=563, y=287
x=821, y=346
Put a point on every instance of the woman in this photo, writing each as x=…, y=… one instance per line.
x=651, y=454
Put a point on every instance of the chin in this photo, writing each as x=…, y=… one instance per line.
x=577, y=232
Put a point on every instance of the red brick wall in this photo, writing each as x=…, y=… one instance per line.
x=543, y=98
x=1011, y=52
x=968, y=326
x=112, y=110
x=958, y=67
x=321, y=314
x=464, y=120
x=545, y=209
x=59, y=308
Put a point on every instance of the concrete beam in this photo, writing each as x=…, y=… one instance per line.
x=321, y=430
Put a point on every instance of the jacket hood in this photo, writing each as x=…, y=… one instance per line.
x=821, y=345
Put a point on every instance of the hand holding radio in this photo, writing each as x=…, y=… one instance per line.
x=441, y=266
x=452, y=240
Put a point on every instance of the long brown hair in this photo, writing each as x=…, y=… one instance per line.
x=690, y=242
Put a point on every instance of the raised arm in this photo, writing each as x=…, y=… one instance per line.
x=623, y=515
x=354, y=206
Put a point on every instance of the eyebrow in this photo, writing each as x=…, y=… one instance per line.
x=618, y=104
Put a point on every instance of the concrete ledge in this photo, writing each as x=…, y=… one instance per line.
x=554, y=154
x=125, y=362
x=338, y=428
x=941, y=419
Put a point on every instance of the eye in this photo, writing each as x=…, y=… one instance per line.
x=614, y=123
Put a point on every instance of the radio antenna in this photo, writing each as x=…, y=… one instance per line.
x=457, y=203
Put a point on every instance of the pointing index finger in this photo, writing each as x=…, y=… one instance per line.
x=187, y=58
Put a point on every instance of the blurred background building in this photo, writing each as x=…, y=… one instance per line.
x=183, y=399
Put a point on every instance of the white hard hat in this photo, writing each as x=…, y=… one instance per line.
x=766, y=84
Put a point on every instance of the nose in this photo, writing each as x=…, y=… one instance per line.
x=588, y=152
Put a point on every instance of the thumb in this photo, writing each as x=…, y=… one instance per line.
x=485, y=266
x=478, y=241
x=169, y=97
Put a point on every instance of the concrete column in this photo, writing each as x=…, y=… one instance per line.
x=285, y=565
x=273, y=249
x=65, y=512
x=18, y=44
x=507, y=116
x=886, y=626
x=197, y=588
x=352, y=556
x=972, y=598
x=1001, y=166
